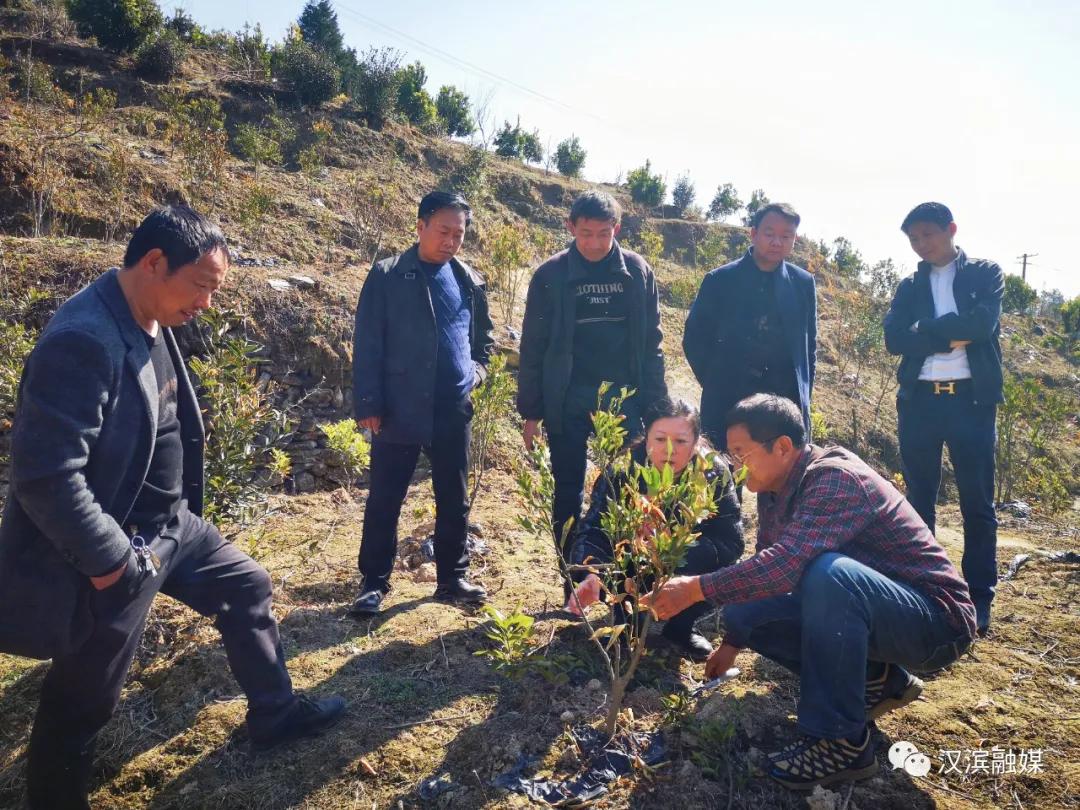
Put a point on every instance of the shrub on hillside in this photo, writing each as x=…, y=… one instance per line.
x=724, y=203
x=470, y=175
x=682, y=196
x=758, y=200
x=249, y=53
x=452, y=106
x=645, y=187
x=1019, y=297
x=514, y=142
x=34, y=80
x=313, y=74
x=160, y=56
x=116, y=24
x=237, y=413
x=683, y=289
x=570, y=156
x=47, y=19
x=376, y=83
x=184, y=26
x=413, y=101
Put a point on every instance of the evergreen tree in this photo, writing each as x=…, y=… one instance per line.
x=570, y=156
x=453, y=108
x=682, y=196
x=724, y=203
x=319, y=26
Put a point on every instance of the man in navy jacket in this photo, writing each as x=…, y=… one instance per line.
x=753, y=326
x=944, y=322
x=421, y=344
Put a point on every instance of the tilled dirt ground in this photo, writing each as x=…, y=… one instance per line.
x=423, y=706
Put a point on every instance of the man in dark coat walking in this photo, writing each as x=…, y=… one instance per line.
x=104, y=512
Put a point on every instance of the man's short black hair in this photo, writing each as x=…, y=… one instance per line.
x=933, y=212
x=767, y=417
x=597, y=205
x=783, y=209
x=438, y=200
x=181, y=233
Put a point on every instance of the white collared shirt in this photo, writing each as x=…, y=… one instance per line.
x=951, y=365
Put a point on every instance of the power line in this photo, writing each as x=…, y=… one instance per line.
x=477, y=70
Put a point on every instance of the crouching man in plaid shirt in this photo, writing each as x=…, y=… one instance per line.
x=848, y=589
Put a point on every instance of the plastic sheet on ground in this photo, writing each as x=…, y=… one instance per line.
x=605, y=763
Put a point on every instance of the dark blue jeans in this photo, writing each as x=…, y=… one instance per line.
x=569, y=449
x=929, y=421
x=843, y=618
x=392, y=467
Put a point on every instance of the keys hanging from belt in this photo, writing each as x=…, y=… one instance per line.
x=149, y=562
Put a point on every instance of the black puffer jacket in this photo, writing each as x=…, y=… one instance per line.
x=720, y=542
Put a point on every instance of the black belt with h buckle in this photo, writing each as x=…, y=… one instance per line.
x=951, y=387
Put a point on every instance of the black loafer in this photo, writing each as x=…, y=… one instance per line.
x=982, y=618
x=460, y=590
x=695, y=646
x=306, y=717
x=369, y=603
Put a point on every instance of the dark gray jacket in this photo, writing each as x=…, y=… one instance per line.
x=978, y=289
x=547, y=337
x=395, y=345
x=81, y=445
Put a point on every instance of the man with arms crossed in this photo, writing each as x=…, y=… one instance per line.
x=944, y=322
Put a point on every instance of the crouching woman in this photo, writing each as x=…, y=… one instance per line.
x=672, y=436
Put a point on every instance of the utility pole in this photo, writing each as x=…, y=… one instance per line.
x=1024, y=260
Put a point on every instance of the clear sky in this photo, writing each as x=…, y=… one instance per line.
x=852, y=111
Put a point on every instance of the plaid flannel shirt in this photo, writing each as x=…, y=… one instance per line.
x=834, y=501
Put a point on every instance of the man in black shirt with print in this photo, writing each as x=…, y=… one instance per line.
x=592, y=316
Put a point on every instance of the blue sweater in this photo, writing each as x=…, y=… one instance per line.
x=454, y=371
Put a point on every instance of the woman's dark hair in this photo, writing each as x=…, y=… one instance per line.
x=669, y=408
x=767, y=417
x=180, y=232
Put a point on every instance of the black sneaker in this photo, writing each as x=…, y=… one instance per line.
x=460, y=590
x=814, y=761
x=306, y=717
x=895, y=689
x=369, y=603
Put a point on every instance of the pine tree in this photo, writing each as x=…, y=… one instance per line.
x=319, y=26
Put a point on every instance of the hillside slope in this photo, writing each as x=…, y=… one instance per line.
x=422, y=705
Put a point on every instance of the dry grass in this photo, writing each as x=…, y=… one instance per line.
x=422, y=705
